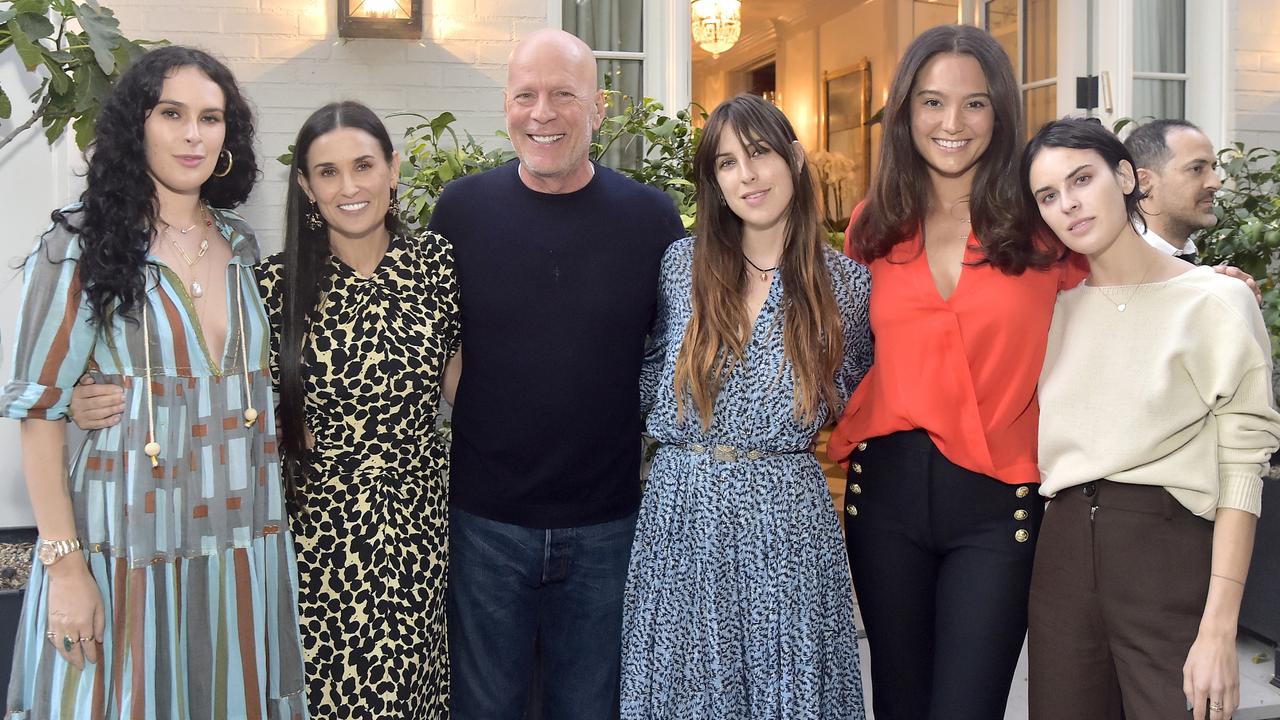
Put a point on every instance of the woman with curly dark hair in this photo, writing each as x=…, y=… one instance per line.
x=163, y=560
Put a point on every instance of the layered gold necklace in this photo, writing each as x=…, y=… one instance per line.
x=195, y=286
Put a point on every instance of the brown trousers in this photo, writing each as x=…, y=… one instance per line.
x=1120, y=581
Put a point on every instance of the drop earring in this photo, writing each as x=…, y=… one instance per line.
x=315, y=220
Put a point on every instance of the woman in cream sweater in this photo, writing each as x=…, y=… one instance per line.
x=1157, y=421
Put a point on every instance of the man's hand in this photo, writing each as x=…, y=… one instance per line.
x=1242, y=276
x=95, y=406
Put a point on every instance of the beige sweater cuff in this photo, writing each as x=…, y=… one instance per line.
x=1240, y=490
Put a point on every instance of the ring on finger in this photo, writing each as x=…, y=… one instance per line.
x=68, y=643
x=1215, y=706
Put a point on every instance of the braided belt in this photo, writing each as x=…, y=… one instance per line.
x=729, y=453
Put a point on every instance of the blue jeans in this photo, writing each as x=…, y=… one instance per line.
x=511, y=587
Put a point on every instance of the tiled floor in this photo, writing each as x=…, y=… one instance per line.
x=1259, y=700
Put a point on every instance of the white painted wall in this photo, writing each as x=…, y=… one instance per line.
x=289, y=61
x=34, y=179
x=1255, y=36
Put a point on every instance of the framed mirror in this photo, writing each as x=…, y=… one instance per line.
x=845, y=170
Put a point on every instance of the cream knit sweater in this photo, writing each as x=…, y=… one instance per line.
x=1174, y=391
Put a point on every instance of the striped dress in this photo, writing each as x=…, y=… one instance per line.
x=193, y=558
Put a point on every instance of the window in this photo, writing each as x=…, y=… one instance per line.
x=614, y=29
x=1159, y=59
x=1028, y=32
x=642, y=45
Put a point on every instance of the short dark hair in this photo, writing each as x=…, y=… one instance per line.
x=1148, y=145
x=1081, y=134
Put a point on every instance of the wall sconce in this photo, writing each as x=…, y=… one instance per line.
x=401, y=19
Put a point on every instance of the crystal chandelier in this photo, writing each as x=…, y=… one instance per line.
x=716, y=24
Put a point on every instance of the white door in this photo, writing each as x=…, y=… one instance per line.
x=1158, y=59
x=1113, y=59
x=1044, y=39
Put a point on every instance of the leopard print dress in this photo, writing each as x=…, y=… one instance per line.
x=371, y=521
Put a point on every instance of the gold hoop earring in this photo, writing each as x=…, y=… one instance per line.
x=230, y=162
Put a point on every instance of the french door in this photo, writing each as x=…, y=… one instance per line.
x=1113, y=59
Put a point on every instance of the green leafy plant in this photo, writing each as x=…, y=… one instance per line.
x=1248, y=231
x=664, y=145
x=81, y=51
x=434, y=155
x=663, y=148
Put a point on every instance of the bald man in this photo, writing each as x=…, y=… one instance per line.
x=557, y=262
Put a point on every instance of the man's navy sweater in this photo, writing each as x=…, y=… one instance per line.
x=558, y=293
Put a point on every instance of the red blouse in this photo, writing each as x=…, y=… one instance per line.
x=964, y=369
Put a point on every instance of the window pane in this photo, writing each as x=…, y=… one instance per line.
x=1041, y=53
x=1002, y=23
x=1159, y=99
x=626, y=77
x=932, y=13
x=605, y=25
x=1042, y=106
x=1160, y=36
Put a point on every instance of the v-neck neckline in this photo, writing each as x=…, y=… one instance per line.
x=771, y=300
x=179, y=289
x=217, y=366
x=927, y=270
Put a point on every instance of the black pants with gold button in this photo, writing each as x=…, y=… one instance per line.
x=941, y=560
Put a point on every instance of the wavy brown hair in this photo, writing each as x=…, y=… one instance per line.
x=899, y=197
x=719, y=329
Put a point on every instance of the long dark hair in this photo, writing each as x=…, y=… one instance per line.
x=898, y=200
x=306, y=263
x=1081, y=134
x=718, y=330
x=119, y=200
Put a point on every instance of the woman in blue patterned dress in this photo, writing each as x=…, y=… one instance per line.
x=165, y=584
x=739, y=602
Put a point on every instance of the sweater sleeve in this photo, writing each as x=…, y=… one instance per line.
x=1236, y=382
x=1248, y=434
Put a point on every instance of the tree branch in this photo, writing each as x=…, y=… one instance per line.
x=39, y=112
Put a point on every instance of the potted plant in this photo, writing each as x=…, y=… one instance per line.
x=15, y=565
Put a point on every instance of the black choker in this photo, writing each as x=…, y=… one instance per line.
x=764, y=272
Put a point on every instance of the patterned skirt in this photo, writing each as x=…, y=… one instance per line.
x=372, y=558
x=739, y=602
x=192, y=638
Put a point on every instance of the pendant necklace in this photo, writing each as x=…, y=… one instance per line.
x=764, y=272
x=965, y=220
x=196, y=288
x=1121, y=306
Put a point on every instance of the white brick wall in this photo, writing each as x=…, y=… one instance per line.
x=289, y=61
x=1255, y=36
